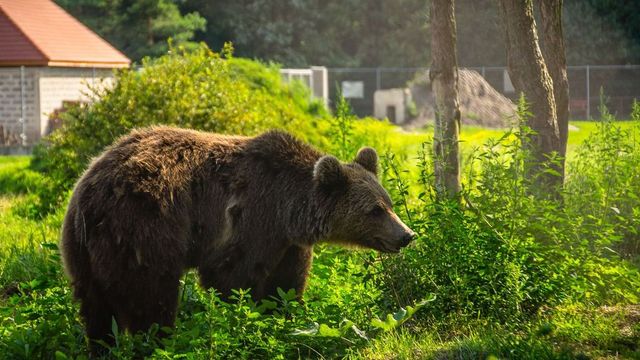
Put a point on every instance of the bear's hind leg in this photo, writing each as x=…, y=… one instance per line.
x=97, y=315
x=154, y=300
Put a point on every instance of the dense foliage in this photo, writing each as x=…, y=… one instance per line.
x=350, y=32
x=501, y=274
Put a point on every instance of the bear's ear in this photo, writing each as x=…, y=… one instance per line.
x=328, y=172
x=368, y=158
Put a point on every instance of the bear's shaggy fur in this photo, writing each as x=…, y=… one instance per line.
x=244, y=211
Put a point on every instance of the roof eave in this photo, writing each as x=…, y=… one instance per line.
x=89, y=64
x=14, y=63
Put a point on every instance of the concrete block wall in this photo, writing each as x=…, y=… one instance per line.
x=67, y=84
x=11, y=102
x=45, y=89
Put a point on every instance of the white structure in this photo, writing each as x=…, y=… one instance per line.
x=316, y=78
x=392, y=104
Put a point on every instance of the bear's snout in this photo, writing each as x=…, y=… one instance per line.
x=407, y=238
x=403, y=234
x=404, y=240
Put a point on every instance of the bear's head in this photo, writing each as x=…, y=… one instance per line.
x=362, y=210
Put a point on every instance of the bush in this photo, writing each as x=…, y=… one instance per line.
x=504, y=253
x=603, y=187
x=484, y=258
x=199, y=90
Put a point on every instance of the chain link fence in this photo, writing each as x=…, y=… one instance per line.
x=619, y=83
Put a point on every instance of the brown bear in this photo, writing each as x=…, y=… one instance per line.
x=244, y=211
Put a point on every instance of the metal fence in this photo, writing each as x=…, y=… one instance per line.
x=620, y=84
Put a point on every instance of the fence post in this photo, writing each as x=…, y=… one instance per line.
x=588, y=95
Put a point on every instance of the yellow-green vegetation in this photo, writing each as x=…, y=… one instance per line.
x=566, y=332
x=504, y=275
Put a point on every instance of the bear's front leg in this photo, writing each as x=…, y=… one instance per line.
x=239, y=266
x=291, y=272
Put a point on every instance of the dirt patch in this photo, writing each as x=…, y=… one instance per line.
x=480, y=103
x=630, y=318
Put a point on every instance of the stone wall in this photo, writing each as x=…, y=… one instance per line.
x=58, y=85
x=45, y=90
x=11, y=104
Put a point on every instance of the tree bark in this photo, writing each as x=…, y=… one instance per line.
x=529, y=75
x=444, y=84
x=553, y=51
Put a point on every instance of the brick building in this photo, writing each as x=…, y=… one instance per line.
x=47, y=57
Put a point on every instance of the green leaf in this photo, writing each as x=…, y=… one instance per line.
x=400, y=314
x=327, y=331
x=396, y=319
x=266, y=305
x=114, y=327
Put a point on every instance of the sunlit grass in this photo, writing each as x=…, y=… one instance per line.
x=475, y=136
x=568, y=332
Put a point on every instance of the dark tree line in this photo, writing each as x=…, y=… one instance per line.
x=320, y=32
x=351, y=32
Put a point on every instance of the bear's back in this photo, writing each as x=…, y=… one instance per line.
x=160, y=161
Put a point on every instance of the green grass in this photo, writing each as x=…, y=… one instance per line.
x=21, y=253
x=13, y=160
x=580, y=130
x=475, y=136
x=568, y=332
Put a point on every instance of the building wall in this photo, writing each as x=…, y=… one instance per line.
x=58, y=85
x=11, y=103
x=45, y=90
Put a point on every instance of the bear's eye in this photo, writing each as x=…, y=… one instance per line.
x=377, y=211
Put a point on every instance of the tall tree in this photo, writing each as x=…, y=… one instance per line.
x=444, y=83
x=529, y=75
x=553, y=51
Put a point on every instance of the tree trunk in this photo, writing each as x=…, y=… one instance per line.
x=553, y=52
x=529, y=75
x=444, y=84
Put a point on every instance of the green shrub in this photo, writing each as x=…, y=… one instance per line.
x=199, y=90
x=603, y=187
x=505, y=253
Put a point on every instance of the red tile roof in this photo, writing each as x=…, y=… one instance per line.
x=39, y=32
